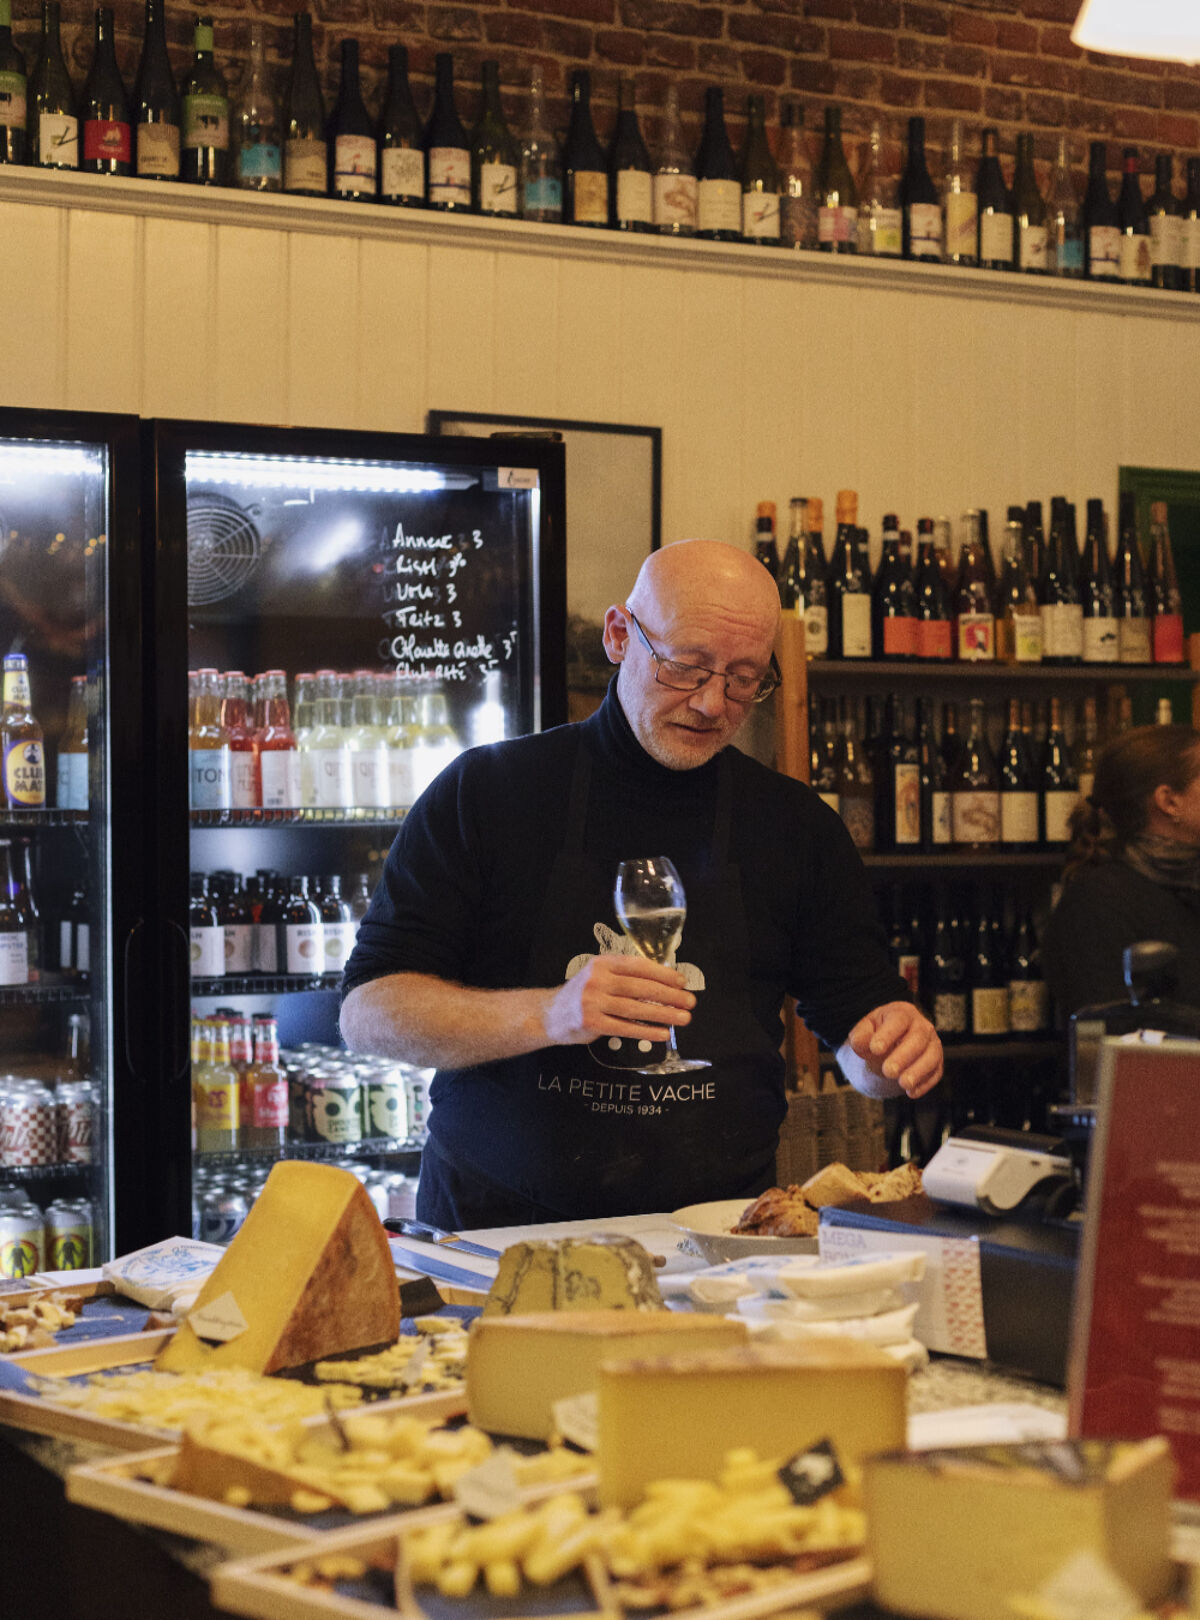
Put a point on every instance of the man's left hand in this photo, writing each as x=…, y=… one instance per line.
x=899, y=1043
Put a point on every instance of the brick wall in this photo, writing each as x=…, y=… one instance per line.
x=1005, y=62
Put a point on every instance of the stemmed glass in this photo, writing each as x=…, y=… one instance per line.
x=651, y=907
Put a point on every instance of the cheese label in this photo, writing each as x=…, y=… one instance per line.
x=812, y=1474
x=491, y=1489
x=576, y=1417
x=220, y=1319
x=1085, y=1588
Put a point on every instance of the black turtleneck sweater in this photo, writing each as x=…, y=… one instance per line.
x=466, y=896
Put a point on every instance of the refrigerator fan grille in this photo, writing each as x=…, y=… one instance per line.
x=224, y=548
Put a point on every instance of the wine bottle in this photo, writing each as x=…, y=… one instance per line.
x=1133, y=614
x=447, y=149
x=974, y=612
x=1165, y=216
x=766, y=548
x=13, y=92
x=759, y=177
x=995, y=250
x=935, y=792
x=1064, y=224
x=802, y=582
x=902, y=942
x=630, y=178
x=257, y=134
x=880, y=222
x=1058, y=787
x=932, y=599
x=950, y=739
x=401, y=142
x=53, y=126
x=1101, y=229
x=1190, y=279
x=893, y=600
x=675, y=200
x=300, y=938
x=205, y=156
x=1018, y=613
x=585, y=196
x=901, y=799
x=107, y=136
x=816, y=592
x=960, y=205
x=922, y=208
x=719, y=187
x=975, y=787
x=1018, y=787
x=495, y=157
x=1083, y=754
x=1132, y=223
x=947, y=978
x=1035, y=540
x=1163, y=596
x=989, y=977
x=797, y=209
x=1059, y=593
x=823, y=769
x=856, y=782
x=836, y=196
x=1029, y=213
x=1100, y=639
x=848, y=590
x=1028, y=997
x=352, y=154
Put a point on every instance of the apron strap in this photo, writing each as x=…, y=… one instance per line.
x=581, y=779
x=723, y=818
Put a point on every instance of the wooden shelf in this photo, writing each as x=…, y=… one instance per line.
x=869, y=669
x=999, y=860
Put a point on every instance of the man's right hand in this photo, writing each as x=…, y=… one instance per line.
x=617, y=995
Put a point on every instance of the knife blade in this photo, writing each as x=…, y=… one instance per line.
x=435, y=1234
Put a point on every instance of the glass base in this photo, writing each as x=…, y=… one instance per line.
x=672, y=1064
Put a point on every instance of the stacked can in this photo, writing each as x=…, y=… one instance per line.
x=28, y=1124
x=22, y=1235
x=76, y=1107
x=70, y=1240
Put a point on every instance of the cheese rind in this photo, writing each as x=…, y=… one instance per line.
x=605, y=1272
x=519, y=1366
x=957, y=1534
x=677, y=1416
x=310, y=1270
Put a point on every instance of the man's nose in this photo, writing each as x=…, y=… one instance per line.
x=710, y=698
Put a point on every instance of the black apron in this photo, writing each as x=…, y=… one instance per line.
x=572, y=1132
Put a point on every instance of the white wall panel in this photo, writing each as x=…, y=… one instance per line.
x=322, y=333
x=525, y=335
x=178, y=313
x=460, y=335
x=390, y=349
x=706, y=451
x=589, y=340
x=103, y=308
x=250, y=328
x=35, y=327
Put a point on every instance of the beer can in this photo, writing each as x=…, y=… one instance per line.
x=76, y=1105
x=402, y=1196
x=22, y=1239
x=385, y=1104
x=222, y=1211
x=334, y=1107
x=69, y=1235
x=416, y=1086
x=28, y=1125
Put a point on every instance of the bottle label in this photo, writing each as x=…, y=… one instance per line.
x=675, y=200
x=1062, y=629
x=635, y=196
x=925, y=230
x=107, y=141
x=269, y=1103
x=907, y=801
x=976, y=816
x=950, y=1012
x=371, y=771
x=1032, y=247
x=962, y=215
x=1166, y=240
x=208, y=952
x=280, y=778
x=1087, y=781
x=14, y=958
x=244, y=793
x=909, y=969
x=1134, y=257
x=304, y=165
x=12, y=101
x=354, y=164
x=989, y=1010
x=760, y=216
x=83, y=949
x=880, y=231
x=66, y=945
x=1189, y=250
x=402, y=778
x=16, y=689
x=158, y=151
x=1058, y=804
x=211, y=779
x=305, y=948
x=402, y=172
x=239, y=948
x=1100, y=641
x=339, y=942
x=58, y=141
x=217, y=1104
x=332, y=778
x=1104, y=251
x=934, y=638
x=62, y=783
x=206, y=123
x=856, y=625
x=798, y=218
x=859, y=817
x=1028, y=640
x=976, y=636
x=1028, y=1005
x=719, y=206
x=816, y=631
x=543, y=195
x=942, y=830
x=1018, y=818
x=266, y=948
x=590, y=197
x=996, y=237
x=1167, y=638
x=1068, y=256
x=260, y=161
x=899, y=637
x=497, y=188
x=837, y=225
x=450, y=175
x=1133, y=640
x=25, y=773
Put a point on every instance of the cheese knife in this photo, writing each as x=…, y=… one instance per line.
x=435, y=1234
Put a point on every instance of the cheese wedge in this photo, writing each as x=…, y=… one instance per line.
x=605, y=1272
x=957, y=1534
x=518, y=1366
x=676, y=1417
x=309, y=1275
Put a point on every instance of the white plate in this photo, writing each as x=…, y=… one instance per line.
x=708, y=1227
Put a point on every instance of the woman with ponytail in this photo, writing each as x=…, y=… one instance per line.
x=1133, y=868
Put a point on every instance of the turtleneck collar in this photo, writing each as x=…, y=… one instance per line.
x=611, y=736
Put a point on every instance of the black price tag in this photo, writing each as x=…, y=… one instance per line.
x=812, y=1474
x=419, y=1298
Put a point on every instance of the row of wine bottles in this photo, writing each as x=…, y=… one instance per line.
x=1048, y=603
x=271, y=924
x=769, y=192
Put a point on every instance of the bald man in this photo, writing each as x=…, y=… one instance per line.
x=490, y=951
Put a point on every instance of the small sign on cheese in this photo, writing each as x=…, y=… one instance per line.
x=220, y=1320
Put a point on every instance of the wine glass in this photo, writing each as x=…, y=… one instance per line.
x=651, y=906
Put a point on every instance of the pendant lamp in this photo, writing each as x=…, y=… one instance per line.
x=1164, y=30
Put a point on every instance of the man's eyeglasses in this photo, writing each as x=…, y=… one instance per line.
x=691, y=677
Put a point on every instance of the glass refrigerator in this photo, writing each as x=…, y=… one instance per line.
x=336, y=616
x=75, y=1065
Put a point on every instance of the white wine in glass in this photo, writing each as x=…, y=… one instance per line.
x=651, y=907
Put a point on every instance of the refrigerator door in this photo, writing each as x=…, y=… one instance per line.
x=338, y=616
x=70, y=920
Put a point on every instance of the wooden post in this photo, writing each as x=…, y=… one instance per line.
x=1194, y=661
x=792, y=758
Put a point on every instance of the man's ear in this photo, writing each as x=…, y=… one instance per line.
x=616, y=634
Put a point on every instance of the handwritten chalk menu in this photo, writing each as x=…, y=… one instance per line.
x=1135, y=1351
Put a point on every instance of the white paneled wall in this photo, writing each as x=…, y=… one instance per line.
x=926, y=389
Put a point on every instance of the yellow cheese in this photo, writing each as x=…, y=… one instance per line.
x=518, y=1366
x=956, y=1534
x=310, y=1272
x=574, y=1274
x=676, y=1417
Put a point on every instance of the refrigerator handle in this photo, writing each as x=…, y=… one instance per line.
x=181, y=1055
x=132, y=979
